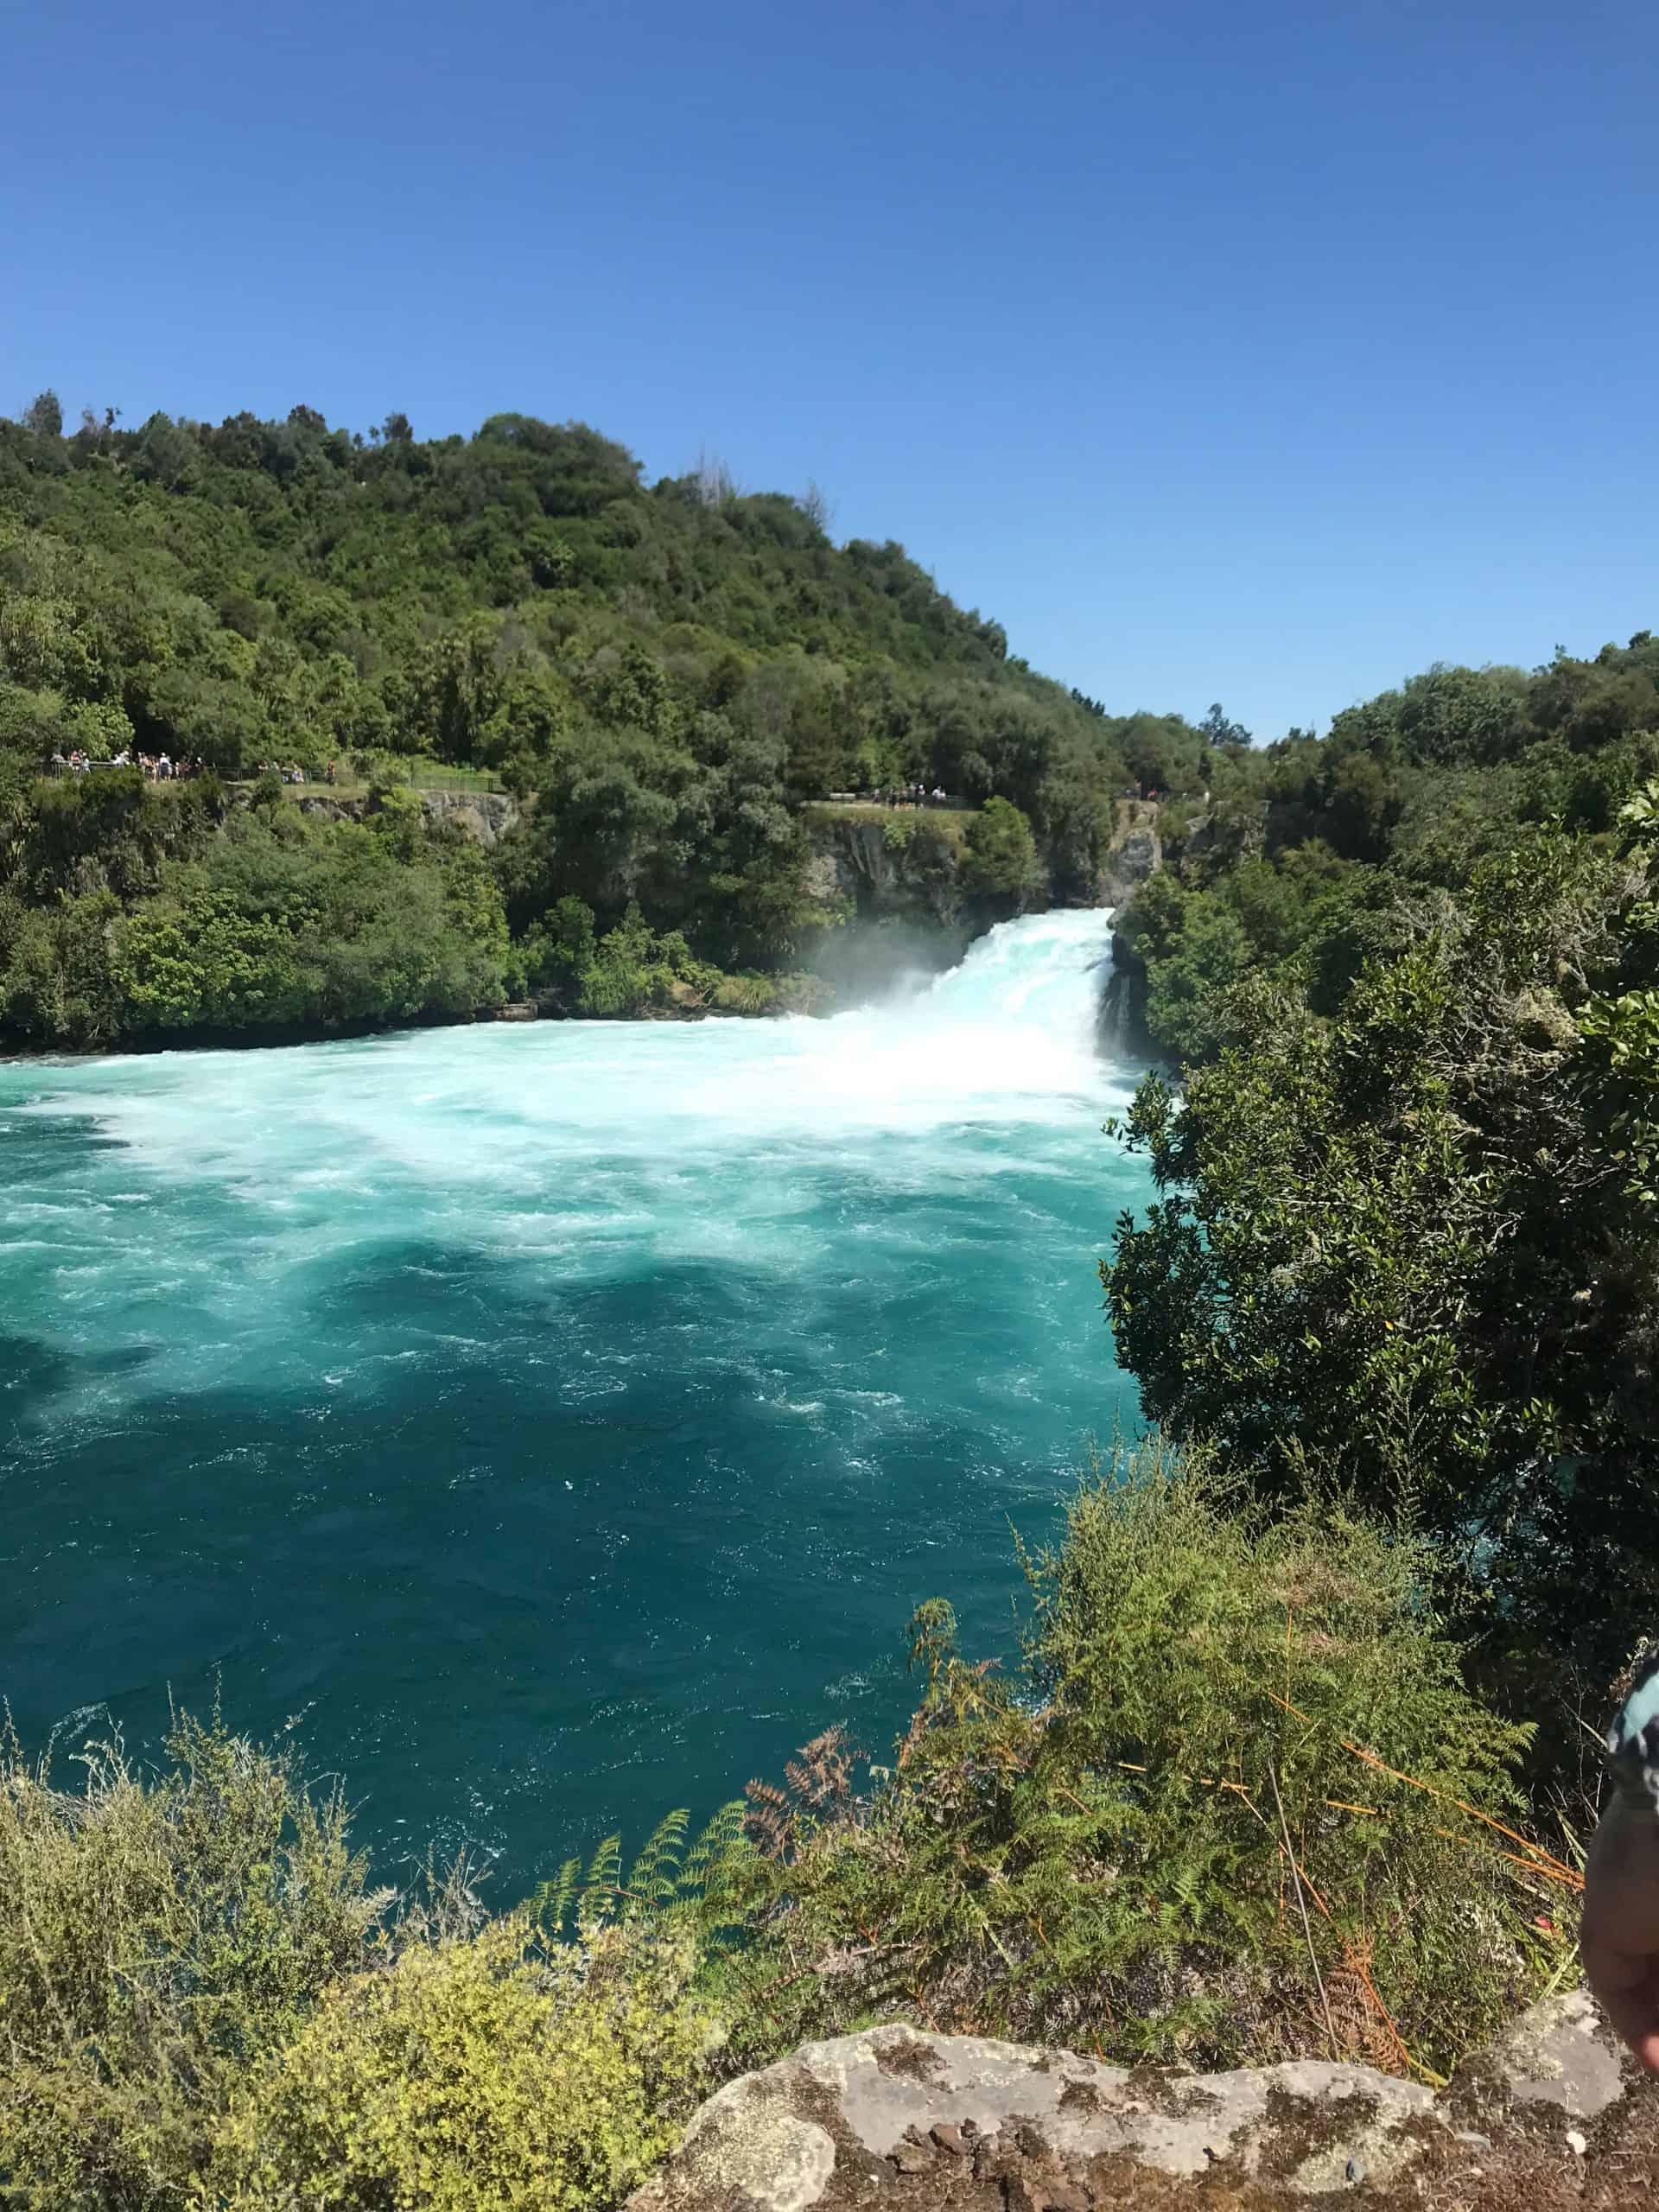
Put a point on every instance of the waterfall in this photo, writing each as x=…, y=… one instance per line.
x=1042, y=968
x=1016, y=1023
x=1011, y=1035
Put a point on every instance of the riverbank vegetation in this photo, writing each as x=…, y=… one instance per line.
x=1237, y=1801
x=658, y=675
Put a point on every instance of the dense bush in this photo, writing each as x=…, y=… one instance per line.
x=1001, y=861
x=1216, y=1710
x=1416, y=1237
x=1307, y=855
x=484, y=2073
x=155, y=1938
x=203, y=2002
x=1407, y=1224
x=277, y=924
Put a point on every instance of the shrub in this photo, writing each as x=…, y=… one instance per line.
x=477, y=2074
x=152, y=1941
x=747, y=995
x=1236, y=1659
x=634, y=969
x=1001, y=860
x=202, y=2003
x=1095, y=1854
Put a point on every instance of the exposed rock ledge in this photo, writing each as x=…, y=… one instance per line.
x=895, y=2118
x=485, y=816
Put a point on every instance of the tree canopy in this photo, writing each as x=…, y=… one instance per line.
x=1409, y=1230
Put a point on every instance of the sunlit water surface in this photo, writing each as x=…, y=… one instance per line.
x=562, y=1420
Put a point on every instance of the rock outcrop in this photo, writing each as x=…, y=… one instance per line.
x=485, y=816
x=1558, y=2056
x=838, y=2122
x=1136, y=850
x=913, y=875
x=896, y=2120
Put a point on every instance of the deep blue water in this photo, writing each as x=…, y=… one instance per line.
x=560, y=1422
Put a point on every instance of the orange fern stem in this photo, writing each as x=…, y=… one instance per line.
x=1540, y=1856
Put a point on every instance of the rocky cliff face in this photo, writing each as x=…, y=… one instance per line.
x=1136, y=850
x=891, y=866
x=897, y=865
x=895, y=2120
x=485, y=816
x=897, y=899
x=897, y=875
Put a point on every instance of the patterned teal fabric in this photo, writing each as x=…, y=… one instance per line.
x=1633, y=1741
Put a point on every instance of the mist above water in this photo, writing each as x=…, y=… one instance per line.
x=565, y=1418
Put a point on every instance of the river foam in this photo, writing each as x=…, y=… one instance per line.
x=568, y=1415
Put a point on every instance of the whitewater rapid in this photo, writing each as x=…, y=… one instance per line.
x=1008, y=1037
x=565, y=1416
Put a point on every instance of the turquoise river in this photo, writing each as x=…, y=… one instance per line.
x=556, y=1424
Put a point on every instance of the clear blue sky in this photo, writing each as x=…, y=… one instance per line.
x=1262, y=350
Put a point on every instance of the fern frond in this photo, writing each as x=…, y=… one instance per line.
x=710, y=1877
x=711, y=1857
x=598, y=1900
x=550, y=1905
x=653, y=1879
x=768, y=1819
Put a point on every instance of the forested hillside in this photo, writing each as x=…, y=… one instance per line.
x=1410, y=1229
x=660, y=674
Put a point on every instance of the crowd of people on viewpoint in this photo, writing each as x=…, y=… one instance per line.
x=291, y=772
x=159, y=768
x=895, y=795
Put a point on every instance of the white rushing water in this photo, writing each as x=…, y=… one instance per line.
x=534, y=1403
x=1007, y=1037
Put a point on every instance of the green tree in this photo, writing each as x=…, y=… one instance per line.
x=1219, y=732
x=1000, y=859
x=43, y=416
x=1400, y=1240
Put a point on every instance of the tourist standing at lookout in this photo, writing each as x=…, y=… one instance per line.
x=1619, y=1938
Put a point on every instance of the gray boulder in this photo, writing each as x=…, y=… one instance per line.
x=840, y=2124
x=1561, y=2053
